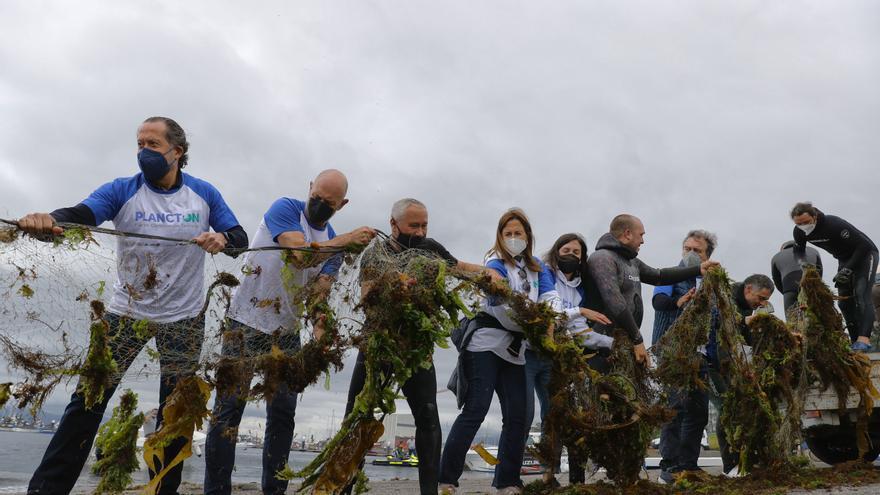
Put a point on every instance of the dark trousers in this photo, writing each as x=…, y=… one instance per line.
x=729, y=460
x=421, y=395
x=680, y=439
x=487, y=373
x=179, y=345
x=858, y=309
x=228, y=410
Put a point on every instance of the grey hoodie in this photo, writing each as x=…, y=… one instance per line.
x=616, y=275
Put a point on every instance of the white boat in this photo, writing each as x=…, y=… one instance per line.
x=198, y=444
x=530, y=464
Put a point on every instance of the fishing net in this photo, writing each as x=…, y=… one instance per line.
x=62, y=322
x=764, y=403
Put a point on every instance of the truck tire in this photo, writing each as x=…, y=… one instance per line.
x=837, y=444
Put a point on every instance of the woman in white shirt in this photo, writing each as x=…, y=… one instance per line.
x=494, y=359
x=567, y=261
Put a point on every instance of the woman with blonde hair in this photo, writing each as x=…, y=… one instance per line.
x=494, y=359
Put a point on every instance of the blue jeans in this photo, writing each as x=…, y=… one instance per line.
x=537, y=381
x=680, y=439
x=179, y=345
x=228, y=410
x=487, y=373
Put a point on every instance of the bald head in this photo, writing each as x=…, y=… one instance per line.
x=331, y=186
x=629, y=230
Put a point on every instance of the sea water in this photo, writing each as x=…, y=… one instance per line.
x=21, y=452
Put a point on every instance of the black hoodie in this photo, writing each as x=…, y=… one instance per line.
x=614, y=287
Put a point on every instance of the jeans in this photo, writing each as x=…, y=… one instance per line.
x=537, y=382
x=680, y=439
x=487, y=373
x=858, y=309
x=421, y=395
x=228, y=410
x=179, y=345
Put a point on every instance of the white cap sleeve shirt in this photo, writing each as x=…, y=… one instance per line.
x=160, y=281
x=263, y=301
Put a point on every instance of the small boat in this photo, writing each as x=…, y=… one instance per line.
x=396, y=461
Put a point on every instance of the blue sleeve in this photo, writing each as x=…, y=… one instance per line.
x=546, y=281
x=663, y=289
x=108, y=199
x=283, y=216
x=221, y=217
x=497, y=265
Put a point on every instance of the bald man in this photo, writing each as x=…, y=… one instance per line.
x=616, y=275
x=262, y=314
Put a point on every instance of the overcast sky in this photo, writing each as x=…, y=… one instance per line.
x=688, y=114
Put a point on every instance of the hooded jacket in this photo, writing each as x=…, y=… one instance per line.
x=616, y=276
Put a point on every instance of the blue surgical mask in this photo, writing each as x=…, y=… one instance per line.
x=153, y=164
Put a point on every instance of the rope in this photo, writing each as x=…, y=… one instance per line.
x=119, y=233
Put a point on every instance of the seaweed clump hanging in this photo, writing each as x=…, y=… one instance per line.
x=184, y=412
x=117, y=443
x=609, y=418
x=99, y=367
x=408, y=309
x=622, y=411
x=829, y=355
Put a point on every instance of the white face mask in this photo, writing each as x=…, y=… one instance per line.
x=691, y=258
x=807, y=228
x=515, y=246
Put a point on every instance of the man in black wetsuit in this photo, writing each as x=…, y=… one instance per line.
x=857, y=257
x=788, y=270
x=409, y=228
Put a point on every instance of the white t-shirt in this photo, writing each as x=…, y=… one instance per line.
x=571, y=292
x=538, y=286
x=159, y=281
x=263, y=301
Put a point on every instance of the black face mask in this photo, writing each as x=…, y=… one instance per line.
x=409, y=241
x=569, y=263
x=319, y=211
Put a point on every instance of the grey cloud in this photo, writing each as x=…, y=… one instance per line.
x=689, y=114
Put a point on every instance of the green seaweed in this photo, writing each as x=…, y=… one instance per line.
x=117, y=442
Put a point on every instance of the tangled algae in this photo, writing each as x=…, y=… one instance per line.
x=407, y=311
x=622, y=412
x=117, y=442
x=608, y=418
x=828, y=352
x=97, y=371
x=760, y=482
x=184, y=412
x=679, y=363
